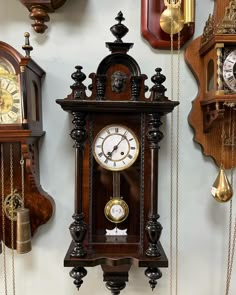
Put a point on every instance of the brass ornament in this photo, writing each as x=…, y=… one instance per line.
x=11, y=203
x=221, y=189
x=228, y=25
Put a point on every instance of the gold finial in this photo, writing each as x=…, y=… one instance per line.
x=27, y=47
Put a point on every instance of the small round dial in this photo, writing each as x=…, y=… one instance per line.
x=115, y=147
x=116, y=210
x=9, y=101
x=229, y=70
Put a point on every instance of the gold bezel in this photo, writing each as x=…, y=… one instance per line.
x=110, y=204
x=102, y=164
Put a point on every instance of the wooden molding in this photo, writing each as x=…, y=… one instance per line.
x=39, y=10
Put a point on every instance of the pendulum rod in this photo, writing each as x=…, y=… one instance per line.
x=116, y=184
x=12, y=218
x=3, y=220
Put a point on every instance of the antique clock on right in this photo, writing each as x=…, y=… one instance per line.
x=116, y=138
x=212, y=59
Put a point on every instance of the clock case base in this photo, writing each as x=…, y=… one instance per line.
x=108, y=105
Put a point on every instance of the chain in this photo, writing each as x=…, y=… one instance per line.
x=12, y=219
x=171, y=157
x=173, y=3
x=22, y=181
x=231, y=239
x=222, y=143
x=177, y=168
x=3, y=221
x=172, y=162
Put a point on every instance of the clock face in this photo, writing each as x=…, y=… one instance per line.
x=10, y=97
x=116, y=210
x=115, y=147
x=229, y=70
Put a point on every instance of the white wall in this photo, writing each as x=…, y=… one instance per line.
x=76, y=35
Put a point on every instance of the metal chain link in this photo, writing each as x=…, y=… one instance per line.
x=177, y=171
x=172, y=164
x=22, y=181
x=222, y=142
x=231, y=239
x=12, y=220
x=171, y=156
x=3, y=221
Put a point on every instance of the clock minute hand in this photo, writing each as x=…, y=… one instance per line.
x=116, y=146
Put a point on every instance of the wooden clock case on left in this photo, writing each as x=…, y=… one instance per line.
x=22, y=138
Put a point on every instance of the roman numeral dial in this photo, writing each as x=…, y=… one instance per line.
x=229, y=70
x=115, y=147
x=10, y=106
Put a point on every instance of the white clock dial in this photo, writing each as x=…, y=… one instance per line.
x=229, y=70
x=115, y=147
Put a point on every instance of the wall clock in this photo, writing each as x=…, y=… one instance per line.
x=116, y=137
x=20, y=132
x=156, y=20
x=211, y=58
x=39, y=10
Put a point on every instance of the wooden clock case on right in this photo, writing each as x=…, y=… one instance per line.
x=212, y=59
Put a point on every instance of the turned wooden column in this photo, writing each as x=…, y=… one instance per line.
x=78, y=228
x=153, y=227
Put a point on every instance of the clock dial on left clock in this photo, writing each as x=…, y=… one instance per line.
x=10, y=102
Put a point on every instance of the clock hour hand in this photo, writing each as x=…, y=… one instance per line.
x=109, y=154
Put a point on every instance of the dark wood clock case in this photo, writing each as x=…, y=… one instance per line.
x=139, y=185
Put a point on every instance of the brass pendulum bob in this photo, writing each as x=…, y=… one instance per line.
x=221, y=189
x=172, y=20
x=23, y=240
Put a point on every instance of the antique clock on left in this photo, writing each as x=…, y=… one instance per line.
x=24, y=204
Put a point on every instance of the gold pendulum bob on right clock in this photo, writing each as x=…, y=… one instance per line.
x=116, y=134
